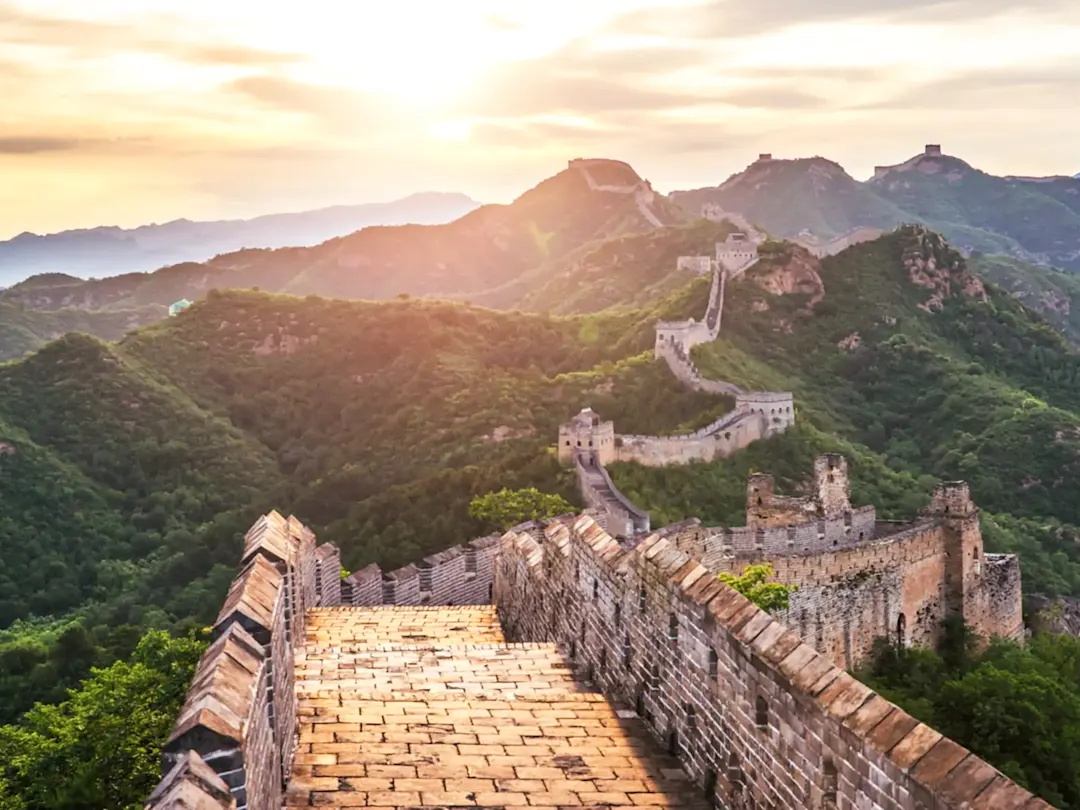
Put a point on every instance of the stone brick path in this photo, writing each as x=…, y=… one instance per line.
x=430, y=707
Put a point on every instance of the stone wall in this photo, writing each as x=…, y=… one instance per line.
x=758, y=718
x=461, y=575
x=238, y=720
x=859, y=579
x=731, y=432
x=700, y=265
x=833, y=246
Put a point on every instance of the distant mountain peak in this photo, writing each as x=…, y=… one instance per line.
x=932, y=160
x=767, y=169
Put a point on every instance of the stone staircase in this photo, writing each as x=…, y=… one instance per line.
x=431, y=707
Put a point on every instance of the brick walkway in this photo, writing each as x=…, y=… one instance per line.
x=430, y=707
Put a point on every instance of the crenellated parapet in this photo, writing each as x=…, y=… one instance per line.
x=461, y=575
x=239, y=719
x=756, y=715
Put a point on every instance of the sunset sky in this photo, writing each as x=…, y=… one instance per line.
x=121, y=112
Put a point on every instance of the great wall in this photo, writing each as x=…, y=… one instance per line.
x=556, y=666
x=588, y=444
x=642, y=191
x=589, y=661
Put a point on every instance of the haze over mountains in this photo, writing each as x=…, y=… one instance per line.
x=110, y=251
x=587, y=236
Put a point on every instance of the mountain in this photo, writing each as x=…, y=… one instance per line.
x=787, y=197
x=488, y=247
x=131, y=470
x=25, y=330
x=1053, y=293
x=1036, y=219
x=107, y=251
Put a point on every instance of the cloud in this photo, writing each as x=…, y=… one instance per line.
x=737, y=19
x=88, y=39
x=1043, y=88
x=335, y=109
x=32, y=145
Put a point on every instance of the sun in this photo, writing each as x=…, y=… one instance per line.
x=416, y=61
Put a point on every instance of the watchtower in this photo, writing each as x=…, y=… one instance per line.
x=832, y=485
x=951, y=503
x=586, y=434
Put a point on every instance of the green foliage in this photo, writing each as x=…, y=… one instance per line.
x=24, y=330
x=101, y=747
x=1017, y=707
x=507, y=508
x=754, y=584
x=1054, y=294
x=130, y=472
x=786, y=197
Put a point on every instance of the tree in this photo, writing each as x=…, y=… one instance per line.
x=754, y=585
x=102, y=746
x=507, y=507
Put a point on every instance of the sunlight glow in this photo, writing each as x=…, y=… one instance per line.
x=451, y=130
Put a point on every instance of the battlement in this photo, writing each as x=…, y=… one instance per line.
x=752, y=705
x=952, y=499
x=238, y=721
x=750, y=709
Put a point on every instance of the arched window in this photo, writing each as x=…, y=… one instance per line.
x=655, y=683
x=618, y=614
x=643, y=597
x=673, y=742
x=627, y=653
x=603, y=660
x=673, y=630
x=691, y=717
x=761, y=712
x=714, y=664
x=573, y=650
x=901, y=630
x=595, y=589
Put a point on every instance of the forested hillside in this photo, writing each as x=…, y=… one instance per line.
x=23, y=330
x=130, y=471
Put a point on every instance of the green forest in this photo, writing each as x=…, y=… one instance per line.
x=130, y=470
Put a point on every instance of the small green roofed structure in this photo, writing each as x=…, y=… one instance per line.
x=179, y=306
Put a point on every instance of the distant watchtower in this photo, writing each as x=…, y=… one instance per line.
x=933, y=150
x=586, y=434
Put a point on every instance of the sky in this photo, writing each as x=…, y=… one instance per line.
x=125, y=112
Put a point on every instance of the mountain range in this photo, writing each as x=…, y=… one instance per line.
x=1036, y=219
x=131, y=469
x=109, y=251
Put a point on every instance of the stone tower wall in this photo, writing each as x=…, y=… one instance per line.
x=756, y=716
